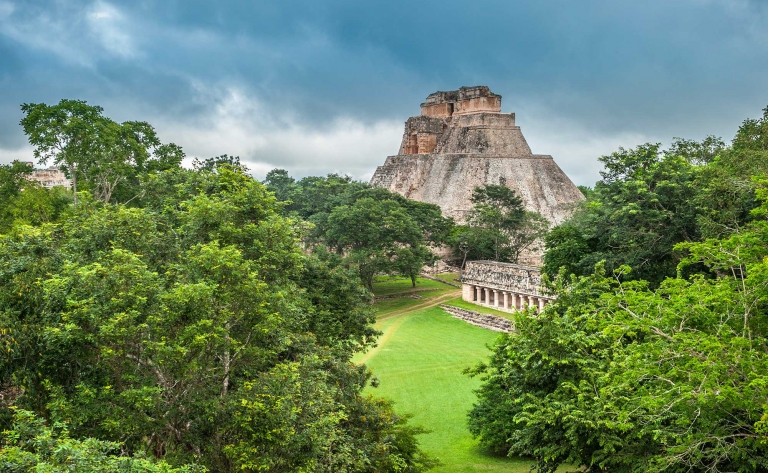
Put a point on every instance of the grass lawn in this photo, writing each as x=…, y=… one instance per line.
x=419, y=362
x=450, y=277
x=386, y=285
x=425, y=289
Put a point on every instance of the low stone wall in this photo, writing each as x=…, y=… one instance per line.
x=427, y=276
x=491, y=322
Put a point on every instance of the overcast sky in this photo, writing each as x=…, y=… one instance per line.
x=321, y=86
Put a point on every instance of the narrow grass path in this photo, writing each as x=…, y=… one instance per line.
x=385, y=336
x=422, y=305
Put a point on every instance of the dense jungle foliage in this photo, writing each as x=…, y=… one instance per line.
x=164, y=319
x=172, y=319
x=654, y=355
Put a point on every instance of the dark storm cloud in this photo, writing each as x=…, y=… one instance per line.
x=321, y=86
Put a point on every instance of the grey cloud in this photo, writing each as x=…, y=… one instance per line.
x=583, y=77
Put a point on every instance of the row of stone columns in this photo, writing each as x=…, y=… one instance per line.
x=504, y=299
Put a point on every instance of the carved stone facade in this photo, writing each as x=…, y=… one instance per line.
x=50, y=177
x=503, y=286
x=462, y=141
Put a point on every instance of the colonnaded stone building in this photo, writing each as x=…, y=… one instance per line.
x=504, y=286
x=461, y=141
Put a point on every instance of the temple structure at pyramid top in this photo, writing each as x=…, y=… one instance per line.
x=460, y=141
x=468, y=120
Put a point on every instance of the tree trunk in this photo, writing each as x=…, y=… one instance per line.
x=73, y=172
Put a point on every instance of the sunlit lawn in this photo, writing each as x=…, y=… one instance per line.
x=420, y=367
x=419, y=364
x=450, y=277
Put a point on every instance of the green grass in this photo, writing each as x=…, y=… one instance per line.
x=386, y=285
x=425, y=289
x=450, y=277
x=419, y=362
x=391, y=305
x=459, y=302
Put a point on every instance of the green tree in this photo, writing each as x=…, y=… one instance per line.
x=377, y=237
x=498, y=215
x=282, y=184
x=65, y=134
x=122, y=153
x=643, y=205
x=24, y=201
x=104, y=155
x=526, y=235
x=615, y=375
x=195, y=330
x=726, y=190
x=31, y=446
x=497, y=209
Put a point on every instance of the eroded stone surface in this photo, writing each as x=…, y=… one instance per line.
x=462, y=141
x=514, y=278
x=491, y=322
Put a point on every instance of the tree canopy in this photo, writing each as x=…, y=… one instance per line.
x=498, y=227
x=653, y=359
x=370, y=228
x=174, y=320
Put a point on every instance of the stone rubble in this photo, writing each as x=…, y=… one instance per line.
x=490, y=322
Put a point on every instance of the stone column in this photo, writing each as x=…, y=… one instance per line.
x=541, y=304
x=531, y=301
x=506, y=300
x=484, y=293
x=466, y=292
x=498, y=298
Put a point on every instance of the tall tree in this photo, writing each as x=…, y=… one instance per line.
x=107, y=157
x=65, y=134
x=123, y=150
x=637, y=212
x=195, y=330
x=499, y=214
x=377, y=236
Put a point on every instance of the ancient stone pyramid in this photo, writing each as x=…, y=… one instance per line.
x=462, y=141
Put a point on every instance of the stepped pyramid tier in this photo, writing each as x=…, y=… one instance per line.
x=461, y=141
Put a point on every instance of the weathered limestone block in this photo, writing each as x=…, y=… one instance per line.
x=449, y=179
x=514, y=278
x=491, y=322
x=462, y=141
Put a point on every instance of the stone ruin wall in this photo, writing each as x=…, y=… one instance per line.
x=490, y=322
x=50, y=177
x=466, y=100
x=517, y=278
x=448, y=181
